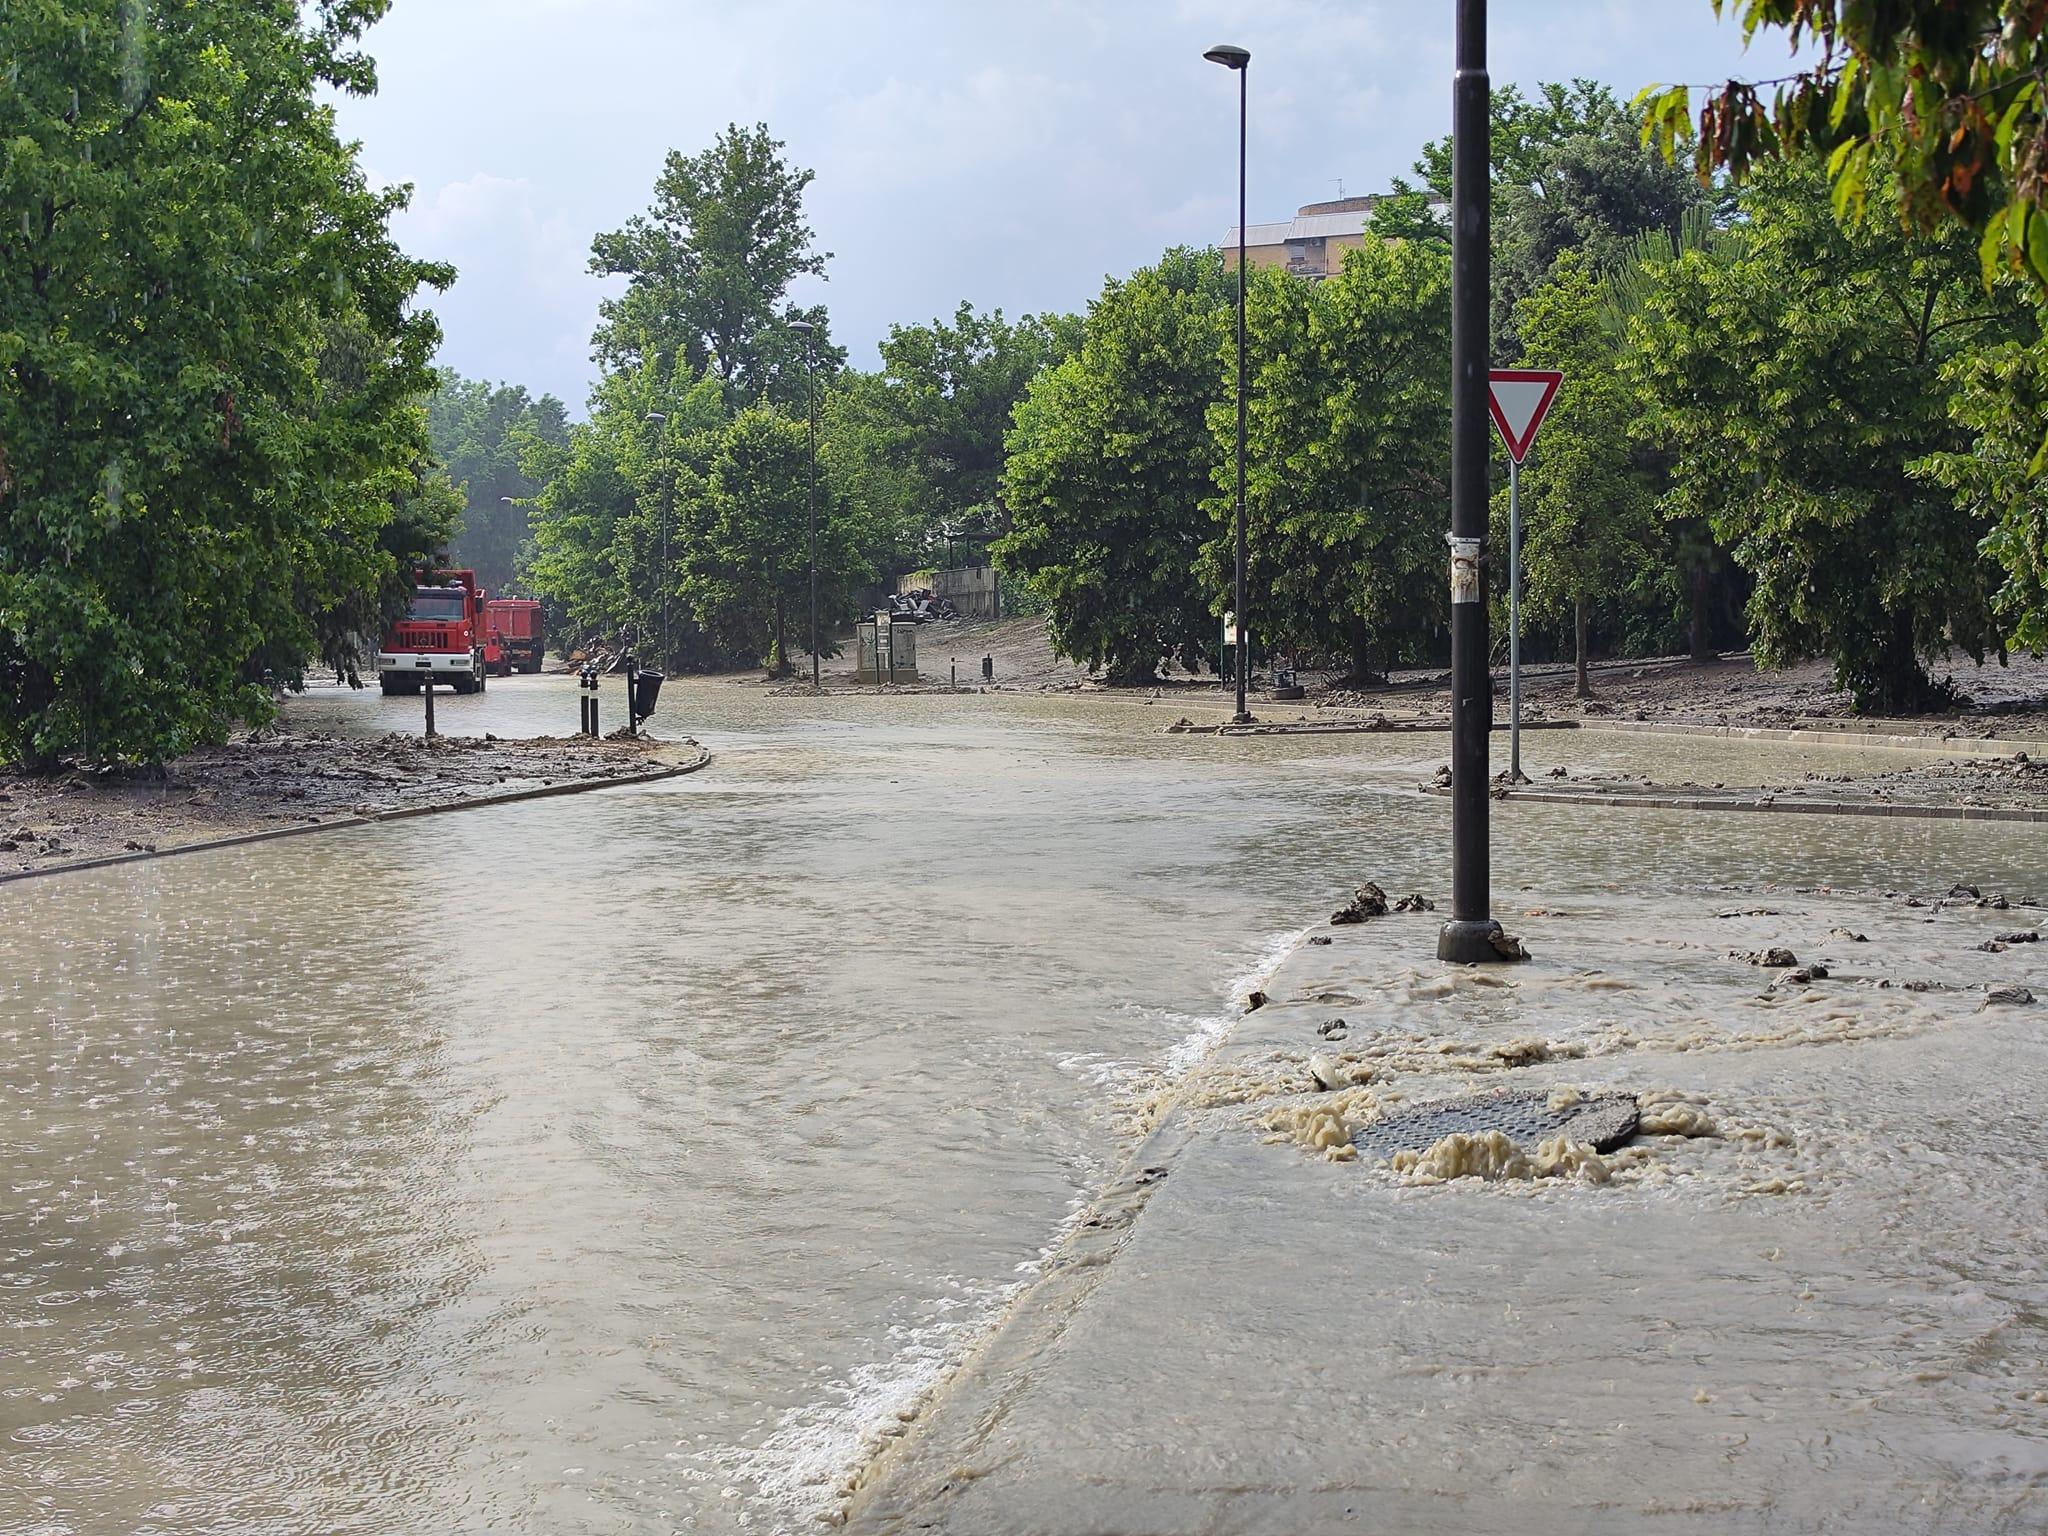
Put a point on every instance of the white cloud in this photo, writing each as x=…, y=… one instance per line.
x=1007, y=154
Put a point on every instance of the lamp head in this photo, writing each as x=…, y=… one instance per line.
x=657, y=417
x=801, y=325
x=1229, y=55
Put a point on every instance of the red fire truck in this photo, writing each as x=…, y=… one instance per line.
x=442, y=638
x=515, y=626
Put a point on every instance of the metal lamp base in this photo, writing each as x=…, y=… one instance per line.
x=1469, y=941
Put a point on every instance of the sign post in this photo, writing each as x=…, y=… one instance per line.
x=1519, y=398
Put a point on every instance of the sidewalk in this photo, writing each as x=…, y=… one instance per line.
x=1824, y=1316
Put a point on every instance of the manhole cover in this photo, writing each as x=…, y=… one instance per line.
x=1603, y=1121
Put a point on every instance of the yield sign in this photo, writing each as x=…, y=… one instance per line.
x=1518, y=398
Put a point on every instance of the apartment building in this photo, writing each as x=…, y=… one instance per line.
x=1312, y=243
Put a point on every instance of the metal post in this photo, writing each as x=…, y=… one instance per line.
x=427, y=688
x=632, y=719
x=1243, y=627
x=1514, y=621
x=1470, y=933
x=811, y=411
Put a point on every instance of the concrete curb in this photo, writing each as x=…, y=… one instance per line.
x=402, y=813
x=887, y=1495
x=1355, y=728
x=1905, y=812
x=1974, y=746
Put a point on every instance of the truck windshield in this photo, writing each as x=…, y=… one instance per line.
x=444, y=606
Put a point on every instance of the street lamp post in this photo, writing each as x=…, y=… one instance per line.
x=1471, y=933
x=1231, y=57
x=811, y=420
x=668, y=510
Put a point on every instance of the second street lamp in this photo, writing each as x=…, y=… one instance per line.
x=811, y=420
x=1232, y=57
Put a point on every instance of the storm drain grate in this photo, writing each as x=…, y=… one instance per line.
x=1603, y=1121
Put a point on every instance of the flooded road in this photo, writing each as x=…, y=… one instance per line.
x=620, y=1162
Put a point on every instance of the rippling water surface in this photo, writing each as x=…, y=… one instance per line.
x=618, y=1162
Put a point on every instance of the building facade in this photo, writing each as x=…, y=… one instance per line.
x=1311, y=244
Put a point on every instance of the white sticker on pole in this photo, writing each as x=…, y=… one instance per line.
x=1464, y=570
x=1519, y=399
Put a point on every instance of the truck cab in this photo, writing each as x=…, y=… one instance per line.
x=442, y=638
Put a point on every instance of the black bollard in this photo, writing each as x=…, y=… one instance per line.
x=427, y=691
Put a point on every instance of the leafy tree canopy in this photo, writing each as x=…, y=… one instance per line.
x=1797, y=382
x=476, y=429
x=1108, y=465
x=709, y=266
x=210, y=360
x=1941, y=99
x=1348, y=457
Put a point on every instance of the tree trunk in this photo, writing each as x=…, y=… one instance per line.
x=1700, y=635
x=1902, y=687
x=778, y=648
x=1361, y=655
x=1583, y=686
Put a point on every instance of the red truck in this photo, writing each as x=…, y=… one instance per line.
x=443, y=637
x=515, y=626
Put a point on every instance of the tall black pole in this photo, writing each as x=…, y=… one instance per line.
x=811, y=411
x=1243, y=629
x=1469, y=934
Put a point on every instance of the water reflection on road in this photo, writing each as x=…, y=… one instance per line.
x=618, y=1162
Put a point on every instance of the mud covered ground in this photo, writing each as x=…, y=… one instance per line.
x=263, y=782
x=2017, y=782
x=2008, y=701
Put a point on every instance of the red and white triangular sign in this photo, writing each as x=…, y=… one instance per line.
x=1518, y=398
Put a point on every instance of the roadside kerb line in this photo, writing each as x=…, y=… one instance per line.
x=368, y=819
x=1905, y=811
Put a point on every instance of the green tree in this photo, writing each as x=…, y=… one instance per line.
x=745, y=563
x=1594, y=189
x=476, y=429
x=1523, y=132
x=1589, y=523
x=1942, y=99
x=210, y=361
x=1797, y=382
x=708, y=268
x=1348, y=457
x=610, y=499
x=954, y=387
x=1109, y=460
x=2000, y=396
x=1943, y=103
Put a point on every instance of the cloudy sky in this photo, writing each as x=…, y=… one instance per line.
x=1008, y=152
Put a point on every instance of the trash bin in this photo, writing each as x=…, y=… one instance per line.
x=646, y=689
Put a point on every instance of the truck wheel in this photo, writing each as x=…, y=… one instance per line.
x=388, y=685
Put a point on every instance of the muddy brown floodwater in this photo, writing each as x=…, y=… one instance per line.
x=629, y=1162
